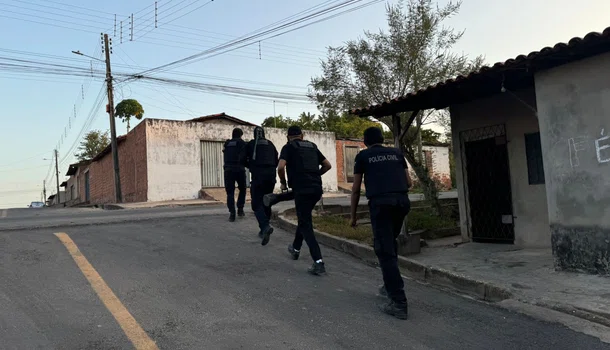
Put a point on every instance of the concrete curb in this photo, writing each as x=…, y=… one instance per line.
x=430, y=274
x=479, y=289
x=120, y=207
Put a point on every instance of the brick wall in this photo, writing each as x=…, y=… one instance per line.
x=340, y=145
x=133, y=170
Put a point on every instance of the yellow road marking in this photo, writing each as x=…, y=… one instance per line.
x=133, y=330
x=4, y=213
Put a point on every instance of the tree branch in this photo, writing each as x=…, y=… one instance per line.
x=408, y=124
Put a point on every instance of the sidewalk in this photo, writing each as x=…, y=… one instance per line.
x=528, y=275
x=494, y=273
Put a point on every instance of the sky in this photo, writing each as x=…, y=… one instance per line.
x=43, y=112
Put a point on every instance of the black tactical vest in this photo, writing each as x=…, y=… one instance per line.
x=385, y=172
x=264, y=155
x=231, y=153
x=306, y=160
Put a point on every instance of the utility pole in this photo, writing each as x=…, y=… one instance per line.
x=110, y=110
x=44, y=191
x=57, y=175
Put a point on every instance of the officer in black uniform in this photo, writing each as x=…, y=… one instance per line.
x=234, y=172
x=387, y=183
x=303, y=160
x=260, y=156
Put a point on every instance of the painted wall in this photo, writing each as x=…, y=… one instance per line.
x=174, y=154
x=574, y=111
x=529, y=201
x=133, y=170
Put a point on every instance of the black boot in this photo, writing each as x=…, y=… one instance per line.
x=293, y=252
x=270, y=199
x=232, y=217
x=240, y=212
x=267, y=235
x=398, y=310
x=317, y=269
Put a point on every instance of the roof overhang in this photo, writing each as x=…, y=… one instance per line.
x=513, y=74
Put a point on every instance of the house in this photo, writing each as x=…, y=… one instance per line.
x=76, y=189
x=436, y=158
x=532, y=149
x=53, y=199
x=162, y=160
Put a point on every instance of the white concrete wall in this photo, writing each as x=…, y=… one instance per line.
x=574, y=112
x=531, y=220
x=174, y=154
x=440, y=164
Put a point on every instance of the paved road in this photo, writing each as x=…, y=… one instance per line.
x=16, y=219
x=204, y=283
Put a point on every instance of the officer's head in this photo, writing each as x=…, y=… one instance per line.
x=373, y=136
x=237, y=132
x=295, y=133
x=259, y=133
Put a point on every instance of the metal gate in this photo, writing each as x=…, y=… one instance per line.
x=212, y=159
x=487, y=174
x=349, y=157
x=212, y=174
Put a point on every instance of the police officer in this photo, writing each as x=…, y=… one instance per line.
x=303, y=160
x=387, y=183
x=260, y=156
x=234, y=172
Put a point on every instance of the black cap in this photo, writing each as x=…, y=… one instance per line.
x=294, y=130
x=373, y=136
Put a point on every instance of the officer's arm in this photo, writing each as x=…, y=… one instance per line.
x=326, y=166
x=356, y=194
x=281, y=171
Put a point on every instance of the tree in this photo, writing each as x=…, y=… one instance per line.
x=343, y=125
x=92, y=144
x=127, y=109
x=414, y=53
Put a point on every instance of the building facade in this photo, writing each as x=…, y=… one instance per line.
x=532, y=150
x=162, y=160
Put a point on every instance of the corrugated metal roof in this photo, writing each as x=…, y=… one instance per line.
x=221, y=116
x=577, y=48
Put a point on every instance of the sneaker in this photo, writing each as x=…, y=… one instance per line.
x=382, y=292
x=232, y=217
x=266, y=234
x=317, y=269
x=392, y=308
x=293, y=252
x=240, y=212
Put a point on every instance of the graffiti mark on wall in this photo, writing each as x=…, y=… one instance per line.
x=577, y=145
x=601, y=144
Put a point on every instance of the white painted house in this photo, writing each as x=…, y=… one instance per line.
x=173, y=160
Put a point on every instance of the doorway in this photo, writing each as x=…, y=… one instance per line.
x=87, y=192
x=487, y=174
x=212, y=170
x=349, y=158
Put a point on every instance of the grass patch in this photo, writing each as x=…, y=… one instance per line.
x=339, y=226
x=425, y=219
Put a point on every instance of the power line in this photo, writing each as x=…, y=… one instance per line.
x=258, y=35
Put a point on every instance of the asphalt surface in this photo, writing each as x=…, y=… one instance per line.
x=201, y=282
x=25, y=218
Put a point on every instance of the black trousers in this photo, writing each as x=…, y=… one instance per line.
x=231, y=177
x=304, y=203
x=259, y=187
x=387, y=216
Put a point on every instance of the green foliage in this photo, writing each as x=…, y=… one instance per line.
x=343, y=125
x=128, y=109
x=415, y=52
x=92, y=144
